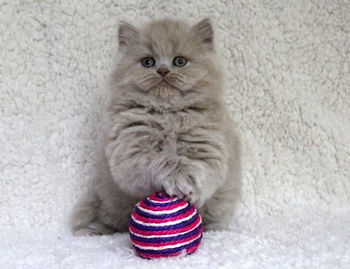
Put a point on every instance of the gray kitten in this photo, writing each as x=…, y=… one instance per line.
x=167, y=128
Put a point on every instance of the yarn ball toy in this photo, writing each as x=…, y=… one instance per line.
x=165, y=226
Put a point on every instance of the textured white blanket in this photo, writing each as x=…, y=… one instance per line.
x=288, y=65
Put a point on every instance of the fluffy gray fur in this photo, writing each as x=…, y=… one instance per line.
x=172, y=133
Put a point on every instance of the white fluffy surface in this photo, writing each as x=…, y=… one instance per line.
x=289, y=92
x=306, y=241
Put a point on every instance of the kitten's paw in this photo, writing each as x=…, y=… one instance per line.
x=86, y=232
x=92, y=229
x=217, y=226
x=184, y=187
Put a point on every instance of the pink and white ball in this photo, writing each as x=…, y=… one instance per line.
x=165, y=226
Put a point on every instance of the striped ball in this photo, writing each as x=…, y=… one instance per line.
x=164, y=226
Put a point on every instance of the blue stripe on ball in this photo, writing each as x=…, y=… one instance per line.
x=165, y=239
x=162, y=195
x=151, y=203
x=169, y=250
x=161, y=228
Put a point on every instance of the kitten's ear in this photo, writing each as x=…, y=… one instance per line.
x=127, y=34
x=203, y=31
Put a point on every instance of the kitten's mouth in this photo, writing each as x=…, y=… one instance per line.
x=163, y=82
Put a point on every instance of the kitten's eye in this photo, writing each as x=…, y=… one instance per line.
x=180, y=61
x=148, y=62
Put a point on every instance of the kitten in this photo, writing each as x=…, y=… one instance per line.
x=167, y=128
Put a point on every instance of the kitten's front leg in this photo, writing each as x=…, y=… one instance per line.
x=194, y=180
x=179, y=178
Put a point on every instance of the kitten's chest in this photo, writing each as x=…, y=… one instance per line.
x=173, y=133
x=173, y=127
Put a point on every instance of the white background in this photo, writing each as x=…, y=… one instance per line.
x=287, y=64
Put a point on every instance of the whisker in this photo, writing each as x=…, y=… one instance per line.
x=151, y=79
x=175, y=79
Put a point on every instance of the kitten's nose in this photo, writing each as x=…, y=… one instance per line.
x=163, y=71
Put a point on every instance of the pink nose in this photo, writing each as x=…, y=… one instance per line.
x=163, y=71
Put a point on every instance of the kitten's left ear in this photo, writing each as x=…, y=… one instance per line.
x=127, y=34
x=204, y=32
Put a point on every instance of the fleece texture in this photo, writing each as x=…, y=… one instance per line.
x=288, y=69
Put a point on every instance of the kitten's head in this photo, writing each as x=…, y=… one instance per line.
x=167, y=57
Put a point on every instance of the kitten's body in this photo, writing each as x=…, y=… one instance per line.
x=173, y=134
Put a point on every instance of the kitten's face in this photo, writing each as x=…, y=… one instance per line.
x=166, y=56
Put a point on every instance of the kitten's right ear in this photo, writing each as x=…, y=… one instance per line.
x=204, y=33
x=127, y=34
